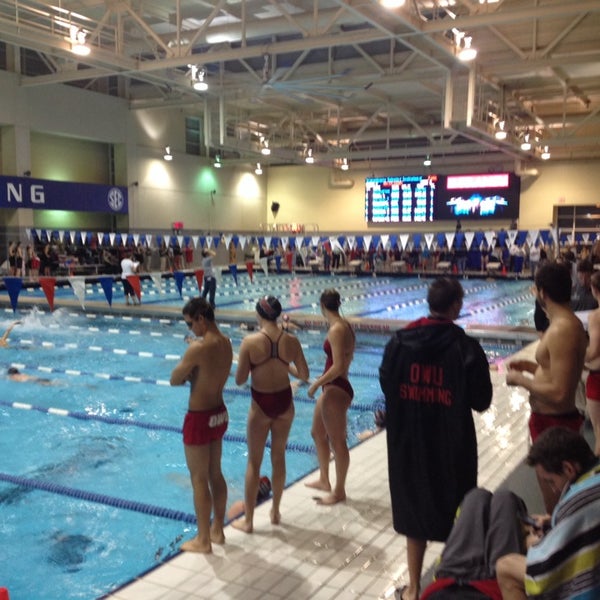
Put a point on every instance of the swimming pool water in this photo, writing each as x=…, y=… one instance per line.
x=103, y=443
x=100, y=491
x=487, y=301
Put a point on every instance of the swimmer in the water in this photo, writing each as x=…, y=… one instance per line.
x=15, y=375
x=238, y=508
x=4, y=338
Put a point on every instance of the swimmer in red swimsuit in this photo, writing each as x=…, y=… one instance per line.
x=268, y=357
x=331, y=408
x=205, y=364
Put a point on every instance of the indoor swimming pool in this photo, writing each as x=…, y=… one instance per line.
x=100, y=451
x=487, y=301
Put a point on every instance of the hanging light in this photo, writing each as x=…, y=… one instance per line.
x=501, y=132
x=392, y=3
x=258, y=169
x=464, y=49
x=310, y=159
x=217, y=164
x=344, y=166
x=264, y=149
x=545, y=153
x=77, y=38
x=526, y=144
x=427, y=161
x=167, y=155
x=467, y=52
x=198, y=75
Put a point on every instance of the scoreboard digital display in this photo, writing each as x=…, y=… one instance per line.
x=402, y=199
x=478, y=196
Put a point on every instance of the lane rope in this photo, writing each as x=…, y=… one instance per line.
x=115, y=502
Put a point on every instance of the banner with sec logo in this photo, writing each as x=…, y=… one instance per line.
x=26, y=192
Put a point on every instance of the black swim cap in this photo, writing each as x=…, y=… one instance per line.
x=264, y=488
x=12, y=371
x=268, y=308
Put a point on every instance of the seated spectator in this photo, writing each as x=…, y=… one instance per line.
x=487, y=527
x=493, y=537
x=564, y=563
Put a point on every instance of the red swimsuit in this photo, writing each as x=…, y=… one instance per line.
x=272, y=404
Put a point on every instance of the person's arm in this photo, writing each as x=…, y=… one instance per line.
x=182, y=373
x=593, y=349
x=299, y=367
x=4, y=338
x=510, y=573
x=527, y=366
x=243, y=365
x=336, y=340
x=556, y=386
x=479, y=380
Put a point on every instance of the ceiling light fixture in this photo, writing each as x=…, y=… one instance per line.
x=167, y=155
x=392, y=3
x=310, y=159
x=344, y=166
x=77, y=38
x=501, y=132
x=467, y=52
x=427, y=161
x=545, y=153
x=526, y=144
x=264, y=146
x=198, y=75
x=464, y=49
x=217, y=164
x=258, y=169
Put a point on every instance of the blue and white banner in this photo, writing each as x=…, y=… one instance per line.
x=43, y=194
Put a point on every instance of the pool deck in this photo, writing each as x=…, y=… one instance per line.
x=349, y=550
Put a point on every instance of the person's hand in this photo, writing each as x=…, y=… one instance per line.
x=512, y=376
x=311, y=390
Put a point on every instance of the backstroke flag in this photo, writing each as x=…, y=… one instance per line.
x=107, y=285
x=48, y=284
x=233, y=271
x=78, y=285
x=13, y=287
x=134, y=280
x=199, y=278
x=178, y=276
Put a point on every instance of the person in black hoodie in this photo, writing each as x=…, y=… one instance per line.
x=432, y=375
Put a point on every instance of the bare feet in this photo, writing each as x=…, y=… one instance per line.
x=330, y=499
x=242, y=525
x=275, y=517
x=217, y=536
x=324, y=486
x=196, y=545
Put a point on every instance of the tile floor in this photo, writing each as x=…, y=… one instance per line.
x=344, y=551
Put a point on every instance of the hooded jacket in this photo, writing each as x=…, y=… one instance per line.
x=432, y=375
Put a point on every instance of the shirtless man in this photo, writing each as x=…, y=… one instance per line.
x=552, y=380
x=206, y=365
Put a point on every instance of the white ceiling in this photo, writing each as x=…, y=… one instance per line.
x=348, y=78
